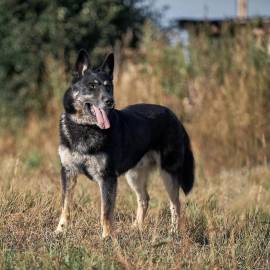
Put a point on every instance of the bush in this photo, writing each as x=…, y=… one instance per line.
x=223, y=88
x=32, y=31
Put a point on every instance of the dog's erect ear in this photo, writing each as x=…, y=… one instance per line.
x=82, y=63
x=108, y=64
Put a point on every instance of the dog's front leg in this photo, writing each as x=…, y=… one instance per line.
x=107, y=187
x=68, y=183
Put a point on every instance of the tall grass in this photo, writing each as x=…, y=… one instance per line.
x=220, y=89
x=219, y=86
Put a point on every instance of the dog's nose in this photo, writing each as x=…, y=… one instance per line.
x=109, y=102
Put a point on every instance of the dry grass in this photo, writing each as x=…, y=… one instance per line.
x=225, y=221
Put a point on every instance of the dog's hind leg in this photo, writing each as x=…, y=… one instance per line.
x=137, y=180
x=68, y=183
x=172, y=186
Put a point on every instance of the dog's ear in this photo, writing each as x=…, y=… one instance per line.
x=82, y=63
x=108, y=64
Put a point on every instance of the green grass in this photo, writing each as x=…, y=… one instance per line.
x=225, y=224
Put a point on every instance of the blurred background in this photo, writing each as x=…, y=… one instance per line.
x=209, y=61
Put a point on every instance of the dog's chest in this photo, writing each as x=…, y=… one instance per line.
x=82, y=138
x=93, y=165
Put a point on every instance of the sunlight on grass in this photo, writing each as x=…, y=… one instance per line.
x=216, y=231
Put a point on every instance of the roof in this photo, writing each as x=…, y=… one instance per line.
x=185, y=22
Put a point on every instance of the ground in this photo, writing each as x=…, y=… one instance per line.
x=225, y=223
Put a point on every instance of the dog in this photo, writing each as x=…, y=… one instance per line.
x=103, y=143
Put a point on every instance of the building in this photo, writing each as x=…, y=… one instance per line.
x=215, y=27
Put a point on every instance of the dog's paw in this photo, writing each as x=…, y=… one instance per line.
x=106, y=234
x=61, y=228
x=137, y=226
x=58, y=232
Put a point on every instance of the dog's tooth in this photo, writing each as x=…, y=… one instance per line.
x=93, y=111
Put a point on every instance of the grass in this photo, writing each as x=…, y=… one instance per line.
x=221, y=94
x=225, y=223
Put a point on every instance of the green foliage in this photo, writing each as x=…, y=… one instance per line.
x=33, y=159
x=222, y=86
x=164, y=60
x=32, y=31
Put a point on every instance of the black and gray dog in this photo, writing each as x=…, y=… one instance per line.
x=102, y=143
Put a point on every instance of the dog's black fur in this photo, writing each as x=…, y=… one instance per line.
x=134, y=131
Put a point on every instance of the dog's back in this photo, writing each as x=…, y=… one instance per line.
x=141, y=128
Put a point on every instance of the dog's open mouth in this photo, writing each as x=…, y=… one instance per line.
x=100, y=115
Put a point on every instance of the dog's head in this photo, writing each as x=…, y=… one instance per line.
x=90, y=97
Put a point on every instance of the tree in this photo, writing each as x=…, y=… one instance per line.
x=31, y=30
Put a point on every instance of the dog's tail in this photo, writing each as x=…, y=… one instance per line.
x=188, y=169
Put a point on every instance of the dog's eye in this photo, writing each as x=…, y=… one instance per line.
x=92, y=86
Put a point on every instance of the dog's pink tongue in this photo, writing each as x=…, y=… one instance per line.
x=102, y=119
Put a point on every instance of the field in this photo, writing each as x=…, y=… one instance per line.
x=221, y=93
x=225, y=220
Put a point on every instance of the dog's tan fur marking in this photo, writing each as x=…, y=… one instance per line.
x=106, y=208
x=95, y=164
x=172, y=188
x=67, y=201
x=106, y=224
x=137, y=179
